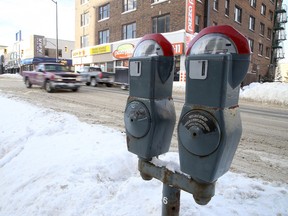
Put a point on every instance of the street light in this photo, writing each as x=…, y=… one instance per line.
x=56, y=29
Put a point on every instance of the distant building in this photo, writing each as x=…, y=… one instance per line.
x=99, y=24
x=35, y=46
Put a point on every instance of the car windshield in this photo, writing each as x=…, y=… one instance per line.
x=56, y=68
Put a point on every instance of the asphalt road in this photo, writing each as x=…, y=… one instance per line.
x=262, y=151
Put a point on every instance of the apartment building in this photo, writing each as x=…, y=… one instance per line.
x=108, y=30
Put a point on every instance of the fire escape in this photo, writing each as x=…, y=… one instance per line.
x=279, y=36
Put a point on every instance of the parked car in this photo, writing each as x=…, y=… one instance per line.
x=52, y=76
x=94, y=76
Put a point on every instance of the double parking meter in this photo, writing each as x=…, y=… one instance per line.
x=150, y=114
x=209, y=129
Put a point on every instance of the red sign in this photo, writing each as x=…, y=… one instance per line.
x=178, y=48
x=190, y=16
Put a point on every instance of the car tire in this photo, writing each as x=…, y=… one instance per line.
x=109, y=84
x=75, y=89
x=48, y=87
x=28, y=83
x=94, y=82
x=88, y=83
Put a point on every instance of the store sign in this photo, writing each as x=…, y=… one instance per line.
x=124, y=51
x=100, y=49
x=38, y=46
x=190, y=16
x=78, y=53
x=178, y=48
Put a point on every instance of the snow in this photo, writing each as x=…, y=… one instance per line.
x=53, y=164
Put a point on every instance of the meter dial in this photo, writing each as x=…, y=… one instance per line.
x=137, y=119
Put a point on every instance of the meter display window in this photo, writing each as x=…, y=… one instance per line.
x=213, y=44
x=148, y=48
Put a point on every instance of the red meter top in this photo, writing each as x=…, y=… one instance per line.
x=152, y=45
x=216, y=37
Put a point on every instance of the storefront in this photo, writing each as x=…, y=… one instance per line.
x=116, y=55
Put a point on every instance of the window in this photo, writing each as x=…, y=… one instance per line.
x=84, y=1
x=260, y=49
x=267, y=52
x=85, y=18
x=238, y=14
x=84, y=41
x=270, y=15
x=251, y=44
x=263, y=9
x=253, y=3
x=197, y=23
x=252, y=23
x=103, y=36
x=262, y=28
x=215, y=5
x=227, y=6
x=104, y=11
x=161, y=24
x=129, y=5
x=269, y=33
x=129, y=31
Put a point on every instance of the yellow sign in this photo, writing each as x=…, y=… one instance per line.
x=100, y=49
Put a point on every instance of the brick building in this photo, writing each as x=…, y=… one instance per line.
x=102, y=26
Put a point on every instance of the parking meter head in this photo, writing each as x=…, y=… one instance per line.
x=150, y=115
x=209, y=129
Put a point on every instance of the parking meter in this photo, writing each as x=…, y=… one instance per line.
x=150, y=114
x=209, y=129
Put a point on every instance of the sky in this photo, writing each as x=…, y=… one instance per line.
x=36, y=17
x=53, y=164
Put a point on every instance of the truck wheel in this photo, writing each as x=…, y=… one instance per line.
x=94, y=82
x=28, y=83
x=48, y=87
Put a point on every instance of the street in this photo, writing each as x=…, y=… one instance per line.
x=262, y=152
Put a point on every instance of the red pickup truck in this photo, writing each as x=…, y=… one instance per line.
x=52, y=76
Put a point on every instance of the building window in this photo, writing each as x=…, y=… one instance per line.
x=267, y=52
x=197, y=23
x=215, y=5
x=263, y=9
x=84, y=1
x=252, y=23
x=251, y=44
x=227, y=6
x=253, y=3
x=260, y=49
x=129, y=5
x=85, y=19
x=155, y=1
x=262, y=29
x=161, y=24
x=104, y=11
x=269, y=33
x=238, y=14
x=84, y=41
x=129, y=31
x=270, y=15
x=103, y=36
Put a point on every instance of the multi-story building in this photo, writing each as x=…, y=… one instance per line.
x=105, y=28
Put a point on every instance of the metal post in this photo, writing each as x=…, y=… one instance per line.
x=170, y=200
x=56, y=29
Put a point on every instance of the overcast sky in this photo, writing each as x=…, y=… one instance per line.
x=39, y=17
x=36, y=17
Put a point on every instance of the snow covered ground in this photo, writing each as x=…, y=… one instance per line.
x=52, y=164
